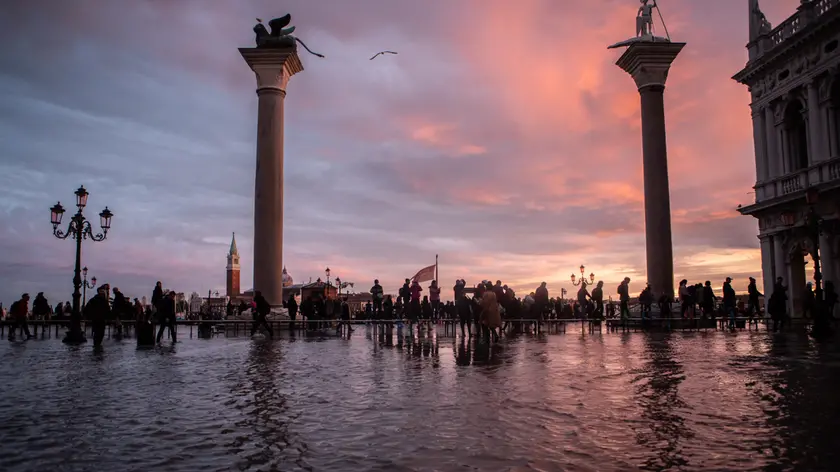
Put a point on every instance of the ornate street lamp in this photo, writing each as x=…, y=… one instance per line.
x=86, y=285
x=327, y=287
x=582, y=280
x=79, y=228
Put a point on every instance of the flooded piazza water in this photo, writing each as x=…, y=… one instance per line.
x=594, y=402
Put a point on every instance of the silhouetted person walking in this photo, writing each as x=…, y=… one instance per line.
x=166, y=317
x=754, y=308
x=777, y=306
x=378, y=296
x=540, y=303
x=292, y=306
x=709, y=299
x=98, y=310
x=434, y=299
x=624, y=299
x=262, y=310
x=18, y=312
x=729, y=301
x=157, y=295
x=597, y=297
x=646, y=302
x=808, y=301
x=465, y=314
x=405, y=293
x=41, y=307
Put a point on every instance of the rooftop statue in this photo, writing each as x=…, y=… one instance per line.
x=758, y=22
x=280, y=36
x=644, y=26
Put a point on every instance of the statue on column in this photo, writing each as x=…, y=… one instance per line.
x=644, y=26
x=644, y=19
x=280, y=36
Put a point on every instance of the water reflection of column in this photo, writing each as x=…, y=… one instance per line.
x=263, y=436
x=660, y=401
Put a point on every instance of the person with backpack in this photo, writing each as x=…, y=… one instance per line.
x=729, y=301
x=777, y=305
x=166, y=317
x=98, y=310
x=18, y=312
x=624, y=299
x=263, y=309
x=378, y=296
x=157, y=296
x=41, y=308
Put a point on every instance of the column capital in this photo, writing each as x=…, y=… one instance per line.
x=648, y=62
x=273, y=67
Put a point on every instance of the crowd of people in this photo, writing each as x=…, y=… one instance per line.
x=107, y=306
x=487, y=312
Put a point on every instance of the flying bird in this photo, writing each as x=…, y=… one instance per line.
x=381, y=53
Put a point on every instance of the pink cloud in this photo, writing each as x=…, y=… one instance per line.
x=502, y=136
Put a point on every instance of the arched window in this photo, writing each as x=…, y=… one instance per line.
x=796, y=136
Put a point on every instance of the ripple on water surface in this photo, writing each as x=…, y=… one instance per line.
x=687, y=401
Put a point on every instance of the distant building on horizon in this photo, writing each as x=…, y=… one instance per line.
x=233, y=290
x=792, y=75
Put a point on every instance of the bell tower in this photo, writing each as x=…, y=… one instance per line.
x=233, y=269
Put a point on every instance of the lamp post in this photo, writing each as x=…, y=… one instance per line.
x=79, y=228
x=582, y=277
x=327, y=288
x=86, y=285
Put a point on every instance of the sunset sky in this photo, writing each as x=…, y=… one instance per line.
x=502, y=137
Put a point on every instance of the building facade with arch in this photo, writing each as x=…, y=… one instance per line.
x=792, y=75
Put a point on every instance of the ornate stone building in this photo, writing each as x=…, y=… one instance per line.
x=792, y=75
x=233, y=288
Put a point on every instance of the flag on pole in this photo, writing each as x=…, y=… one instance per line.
x=425, y=274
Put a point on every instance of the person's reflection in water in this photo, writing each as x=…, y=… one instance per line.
x=463, y=355
x=658, y=395
x=486, y=353
x=263, y=440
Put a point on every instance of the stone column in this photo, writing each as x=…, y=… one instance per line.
x=828, y=258
x=648, y=63
x=796, y=281
x=816, y=131
x=273, y=68
x=759, y=143
x=780, y=266
x=767, y=265
x=774, y=157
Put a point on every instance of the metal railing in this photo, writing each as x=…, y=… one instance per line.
x=443, y=327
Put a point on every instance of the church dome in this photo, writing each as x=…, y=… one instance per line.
x=287, y=279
